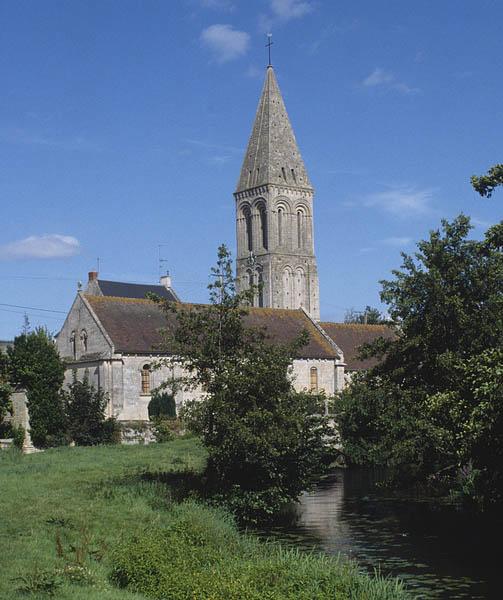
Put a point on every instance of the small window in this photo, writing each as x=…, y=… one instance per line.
x=293, y=175
x=83, y=340
x=145, y=379
x=73, y=343
x=313, y=379
x=284, y=173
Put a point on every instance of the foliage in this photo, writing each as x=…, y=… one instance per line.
x=85, y=412
x=163, y=429
x=266, y=443
x=434, y=402
x=226, y=564
x=162, y=405
x=5, y=388
x=35, y=365
x=370, y=316
x=81, y=505
x=18, y=435
x=485, y=184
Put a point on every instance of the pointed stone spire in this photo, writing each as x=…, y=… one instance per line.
x=272, y=155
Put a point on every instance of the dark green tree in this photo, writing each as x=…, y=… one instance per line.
x=266, y=443
x=422, y=409
x=485, y=184
x=5, y=389
x=369, y=316
x=162, y=406
x=85, y=411
x=35, y=365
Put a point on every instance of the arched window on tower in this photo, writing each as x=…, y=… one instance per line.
x=313, y=379
x=263, y=226
x=260, y=288
x=300, y=287
x=300, y=229
x=145, y=380
x=288, y=288
x=248, y=228
x=281, y=219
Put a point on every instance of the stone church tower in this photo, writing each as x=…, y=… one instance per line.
x=274, y=212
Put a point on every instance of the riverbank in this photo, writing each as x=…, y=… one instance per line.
x=102, y=524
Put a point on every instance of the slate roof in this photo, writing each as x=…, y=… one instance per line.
x=134, y=326
x=133, y=290
x=272, y=150
x=350, y=336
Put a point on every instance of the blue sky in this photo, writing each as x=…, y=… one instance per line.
x=123, y=125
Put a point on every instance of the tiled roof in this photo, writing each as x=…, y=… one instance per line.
x=134, y=326
x=350, y=336
x=133, y=290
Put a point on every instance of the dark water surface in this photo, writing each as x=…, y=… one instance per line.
x=438, y=551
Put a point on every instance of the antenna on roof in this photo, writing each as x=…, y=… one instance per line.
x=98, y=264
x=162, y=261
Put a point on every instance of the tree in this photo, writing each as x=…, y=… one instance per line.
x=85, y=411
x=5, y=389
x=485, y=184
x=426, y=404
x=35, y=365
x=266, y=443
x=370, y=316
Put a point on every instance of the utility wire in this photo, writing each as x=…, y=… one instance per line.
x=62, y=312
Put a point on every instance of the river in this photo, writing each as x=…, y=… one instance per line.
x=437, y=550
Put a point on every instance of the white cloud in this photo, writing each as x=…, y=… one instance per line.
x=42, y=246
x=397, y=241
x=377, y=77
x=225, y=42
x=402, y=201
x=291, y=9
x=386, y=80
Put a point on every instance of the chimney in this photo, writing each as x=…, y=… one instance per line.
x=93, y=276
x=165, y=280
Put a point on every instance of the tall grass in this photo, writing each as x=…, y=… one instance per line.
x=82, y=523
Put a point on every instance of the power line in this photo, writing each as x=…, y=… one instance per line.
x=21, y=312
x=62, y=312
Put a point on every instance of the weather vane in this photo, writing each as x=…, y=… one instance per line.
x=268, y=46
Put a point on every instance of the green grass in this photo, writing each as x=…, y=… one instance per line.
x=84, y=523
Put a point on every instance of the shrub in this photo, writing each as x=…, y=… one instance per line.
x=85, y=412
x=162, y=405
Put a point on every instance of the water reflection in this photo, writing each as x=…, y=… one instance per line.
x=438, y=551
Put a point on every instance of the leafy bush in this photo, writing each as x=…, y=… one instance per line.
x=85, y=411
x=18, y=435
x=162, y=405
x=199, y=553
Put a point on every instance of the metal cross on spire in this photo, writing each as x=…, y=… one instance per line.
x=268, y=46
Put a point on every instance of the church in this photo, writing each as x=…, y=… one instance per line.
x=112, y=333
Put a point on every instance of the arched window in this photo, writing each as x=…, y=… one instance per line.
x=281, y=218
x=83, y=340
x=248, y=228
x=287, y=288
x=300, y=227
x=145, y=379
x=313, y=379
x=260, y=288
x=300, y=287
x=263, y=226
x=73, y=344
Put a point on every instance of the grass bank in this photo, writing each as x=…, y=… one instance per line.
x=100, y=524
